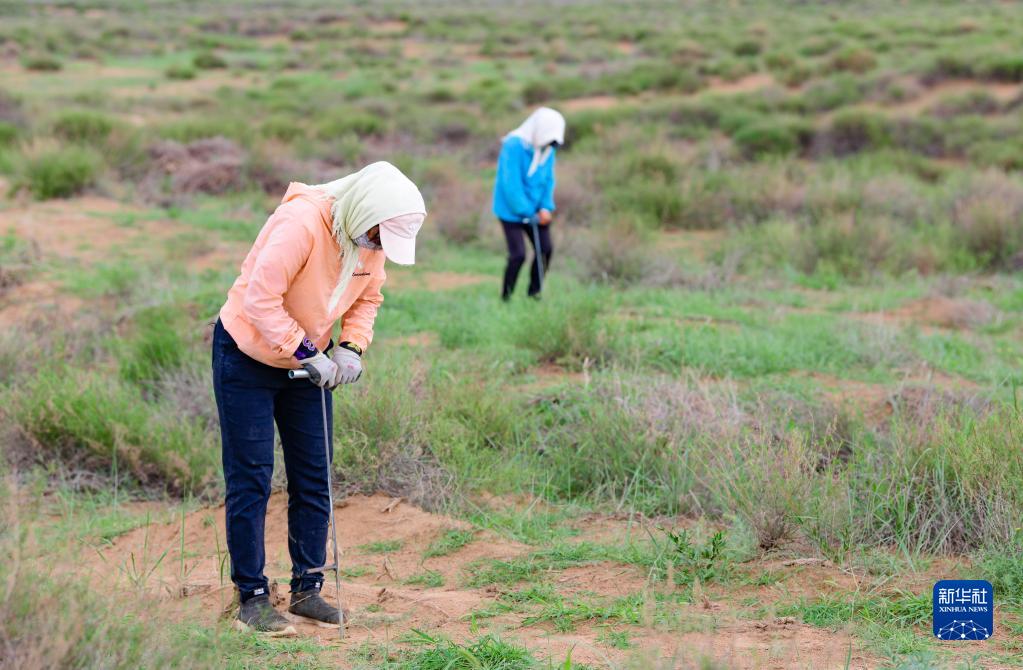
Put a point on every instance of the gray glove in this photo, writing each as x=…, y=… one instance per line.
x=349, y=365
x=322, y=371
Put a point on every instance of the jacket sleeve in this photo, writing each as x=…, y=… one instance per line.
x=357, y=322
x=511, y=179
x=548, y=195
x=286, y=250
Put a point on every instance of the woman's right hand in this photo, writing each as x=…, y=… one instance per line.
x=322, y=371
x=544, y=216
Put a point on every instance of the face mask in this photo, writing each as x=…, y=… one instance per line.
x=366, y=243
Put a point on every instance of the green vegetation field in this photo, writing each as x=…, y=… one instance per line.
x=770, y=396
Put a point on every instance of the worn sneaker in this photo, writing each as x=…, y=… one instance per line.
x=310, y=606
x=259, y=615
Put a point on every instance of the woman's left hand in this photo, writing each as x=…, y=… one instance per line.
x=349, y=365
x=545, y=216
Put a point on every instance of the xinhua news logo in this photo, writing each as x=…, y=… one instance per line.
x=964, y=609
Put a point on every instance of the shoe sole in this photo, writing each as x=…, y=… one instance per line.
x=246, y=628
x=298, y=618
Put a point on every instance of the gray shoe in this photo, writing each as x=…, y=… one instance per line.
x=311, y=606
x=259, y=615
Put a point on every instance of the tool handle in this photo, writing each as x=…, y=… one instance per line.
x=298, y=374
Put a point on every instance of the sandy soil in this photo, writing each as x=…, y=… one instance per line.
x=183, y=561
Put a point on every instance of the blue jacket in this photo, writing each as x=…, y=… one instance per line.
x=517, y=197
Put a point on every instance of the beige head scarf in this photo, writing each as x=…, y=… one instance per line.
x=543, y=126
x=376, y=193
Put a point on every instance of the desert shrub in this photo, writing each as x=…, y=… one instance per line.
x=651, y=77
x=60, y=173
x=920, y=135
x=779, y=60
x=9, y=134
x=179, y=72
x=83, y=126
x=600, y=447
x=95, y=422
x=42, y=63
x=1007, y=155
x=566, y=329
x=647, y=201
x=283, y=128
x=613, y=250
x=974, y=102
x=190, y=130
x=492, y=94
x=820, y=45
x=208, y=60
x=853, y=130
x=828, y=94
x=1007, y=68
x=854, y=60
x=987, y=212
x=440, y=95
x=794, y=76
x=212, y=165
x=349, y=122
x=537, y=91
x=747, y=48
x=772, y=138
x=950, y=66
x=945, y=484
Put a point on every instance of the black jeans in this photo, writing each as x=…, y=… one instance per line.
x=514, y=234
x=251, y=397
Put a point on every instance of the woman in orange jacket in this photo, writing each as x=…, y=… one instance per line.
x=318, y=259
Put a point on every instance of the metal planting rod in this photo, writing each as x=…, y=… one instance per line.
x=302, y=374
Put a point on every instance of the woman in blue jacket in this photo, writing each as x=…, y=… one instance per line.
x=524, y=194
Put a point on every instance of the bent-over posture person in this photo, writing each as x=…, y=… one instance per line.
x=524, y=194
x=319, y=258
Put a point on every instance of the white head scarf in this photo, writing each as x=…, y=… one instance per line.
x=543, y=126
x=377, y=193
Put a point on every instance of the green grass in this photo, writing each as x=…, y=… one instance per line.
x=428, y=578
x=381, y=547
x=449, y=542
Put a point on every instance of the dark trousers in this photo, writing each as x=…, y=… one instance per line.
x=251, y=397
x=514, y=234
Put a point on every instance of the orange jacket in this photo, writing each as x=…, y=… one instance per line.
x=282, y=293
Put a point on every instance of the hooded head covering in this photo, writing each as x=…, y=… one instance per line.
x=374, y=195
x=543, y=126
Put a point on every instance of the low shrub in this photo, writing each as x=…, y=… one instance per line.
x=208, y=60
x=987, y=212
x=60, y=173
x=90, y=420
x=828, y=94
x=1005, y=68
x=773, y=138
x=747, y=48
x=853, y=130
x=283, y=128
x=855, y=60
x=537, y=91
x=83, y=126
x=179, y=72
x=351, y=121
x=42, y=63
x=950, y=66
x=9, y=134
